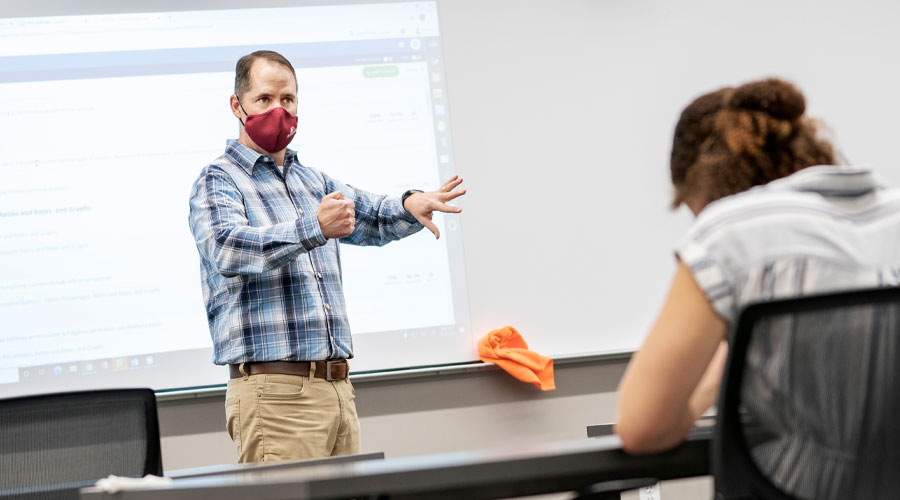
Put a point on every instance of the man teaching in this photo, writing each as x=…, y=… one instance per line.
x=267, y=229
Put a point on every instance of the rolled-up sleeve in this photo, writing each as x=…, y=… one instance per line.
x=380, y=219
x=711, y=274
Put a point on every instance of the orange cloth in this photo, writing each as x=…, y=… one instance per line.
x=506, y=348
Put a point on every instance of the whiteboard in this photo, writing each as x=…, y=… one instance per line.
x=562, y=113
x=563, y=119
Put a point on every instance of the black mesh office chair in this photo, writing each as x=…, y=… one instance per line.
x=51, y=445
x=810, y=402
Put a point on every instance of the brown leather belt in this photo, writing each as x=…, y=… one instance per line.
x=337, y=369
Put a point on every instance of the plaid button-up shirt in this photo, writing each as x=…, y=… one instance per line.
x=271, y=281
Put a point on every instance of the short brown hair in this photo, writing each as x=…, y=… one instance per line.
x=242, y=68
x=732, y=139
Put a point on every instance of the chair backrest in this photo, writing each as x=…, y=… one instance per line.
x=810, y=399
x=50, y=445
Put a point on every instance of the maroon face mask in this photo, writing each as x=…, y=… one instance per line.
x=272, y=130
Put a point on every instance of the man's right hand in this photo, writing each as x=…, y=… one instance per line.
x=336, y=215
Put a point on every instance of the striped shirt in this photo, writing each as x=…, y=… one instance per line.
x=271, y=281
x=821, y=229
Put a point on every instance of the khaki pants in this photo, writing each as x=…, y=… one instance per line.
x=287, y=417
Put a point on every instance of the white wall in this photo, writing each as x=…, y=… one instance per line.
x=563, y=113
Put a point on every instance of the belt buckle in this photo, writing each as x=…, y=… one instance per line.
x=328, y=365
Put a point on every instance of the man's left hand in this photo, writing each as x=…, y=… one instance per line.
x=423, y=205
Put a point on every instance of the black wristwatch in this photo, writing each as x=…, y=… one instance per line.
x=406, y=195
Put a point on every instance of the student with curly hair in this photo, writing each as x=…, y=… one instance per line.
x=775, y=219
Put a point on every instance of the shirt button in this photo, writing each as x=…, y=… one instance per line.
x=299, y=210
x=319, y=275
x=327, y=307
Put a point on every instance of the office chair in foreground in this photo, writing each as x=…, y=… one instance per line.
x=51, y=445
x=810, y=401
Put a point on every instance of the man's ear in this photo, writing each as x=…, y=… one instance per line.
x=236, y=107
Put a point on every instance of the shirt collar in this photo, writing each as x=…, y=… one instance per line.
x=828, y=180
x=247, y=158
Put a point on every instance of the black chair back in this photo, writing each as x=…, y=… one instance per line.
x=810, y=399
x=53, y=444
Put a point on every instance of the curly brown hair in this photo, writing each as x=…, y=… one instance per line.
x=732, y=139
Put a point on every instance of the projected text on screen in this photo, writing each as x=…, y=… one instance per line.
x=105, y=125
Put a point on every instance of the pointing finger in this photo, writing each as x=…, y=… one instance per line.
x=452, y=183
x=450, y=209
x=453, y=195
x=431, y=227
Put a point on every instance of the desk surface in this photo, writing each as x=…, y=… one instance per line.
x=484, y=474
x=214, y=470
x=599, y=430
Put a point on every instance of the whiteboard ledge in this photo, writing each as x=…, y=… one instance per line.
x=400, y=374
